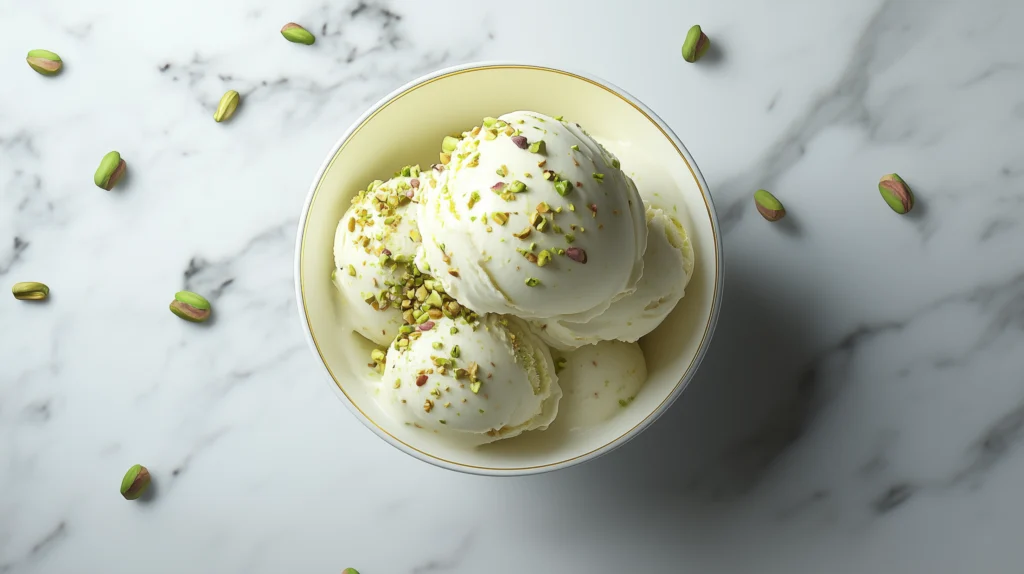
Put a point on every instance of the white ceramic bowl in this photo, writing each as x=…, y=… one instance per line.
x=406, y=127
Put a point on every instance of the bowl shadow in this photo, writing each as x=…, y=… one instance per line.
x=750, y=400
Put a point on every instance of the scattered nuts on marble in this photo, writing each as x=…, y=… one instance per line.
x=297, y=34
x=110, y=171
x=896, y=193
x=695, y=45
x=768, y=206
x=30, y=291
x=227, y=106
x=190, y=306
x=45, y=62
x=135, y=482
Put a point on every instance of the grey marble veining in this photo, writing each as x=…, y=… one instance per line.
x=860, y=410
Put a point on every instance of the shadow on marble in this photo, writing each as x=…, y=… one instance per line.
x=748, y=403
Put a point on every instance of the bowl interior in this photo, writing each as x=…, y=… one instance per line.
x=408, y=129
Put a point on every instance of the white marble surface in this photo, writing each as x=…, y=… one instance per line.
x=861, y=408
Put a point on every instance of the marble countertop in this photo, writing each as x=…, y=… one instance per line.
x=861, y=408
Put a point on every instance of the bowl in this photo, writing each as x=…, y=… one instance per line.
x=406, y=127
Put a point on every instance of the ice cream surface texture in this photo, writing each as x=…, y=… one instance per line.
x=374, y=246
x=598, y=381
x=488, y=379
x=668, y=266
x=533, y=218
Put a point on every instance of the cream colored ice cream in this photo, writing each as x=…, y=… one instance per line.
x=668, y=265
x=599, y=381
x=533, y=218
x=374, y=246
x=488, y=379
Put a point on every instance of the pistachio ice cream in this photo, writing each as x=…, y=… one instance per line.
x=374, y=245
x=599, y=381
x=533, y=218
x=668, y=266
x=488, y=379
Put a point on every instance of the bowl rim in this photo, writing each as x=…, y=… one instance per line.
x=602, y=450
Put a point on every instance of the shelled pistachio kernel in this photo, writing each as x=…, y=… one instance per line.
x=896, y=193
x=695, y=45
x=112, y=168
x=449, y=143
x=30, y=291
x=297, y=34
x=45, y=62
x=227, y=106
x=135, y=482
x=349, y=571
x=768, y=206
x=190, y=306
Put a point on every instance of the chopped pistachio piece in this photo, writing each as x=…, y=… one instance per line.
x=517, y=186
x=532, y=281
x=543, y=258
x=538, y=147
x=448, y=144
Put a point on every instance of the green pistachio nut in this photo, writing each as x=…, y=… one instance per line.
x=30, y=291
x=896, y=193
x=695, y=45
x=768, y=206
x=227, y=106
x=449, y=143
x=190, y=306
x=350, y=571
x=45, y=62
x=110, y=171
x=297, y=34
x=135, y=482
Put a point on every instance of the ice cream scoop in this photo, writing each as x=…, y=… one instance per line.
x=486, y=380
x=374, y=247
x=599, y=381
x=668, y=265
x=533, y=218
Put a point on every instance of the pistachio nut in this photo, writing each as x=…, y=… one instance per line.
x=110, y=171
x=695, y=45
x=768, y=206
x=896, y=193
x=350, y=571
x=227, y=106
x=449, y=143
x=45, y=62
x=135, y=482
x=30, y=291
x=297, y=34
x=190, y=306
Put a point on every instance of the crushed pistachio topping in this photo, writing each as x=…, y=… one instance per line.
x=560, y=365
x=538, y=147
x=569, y=238
x=532, y=282
x=543, y=258
x=499, y=217
x=428, y=405
x=517, y=187
x=502, y=171
x=598, y=176
x=625, y=402
x=574, y=147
